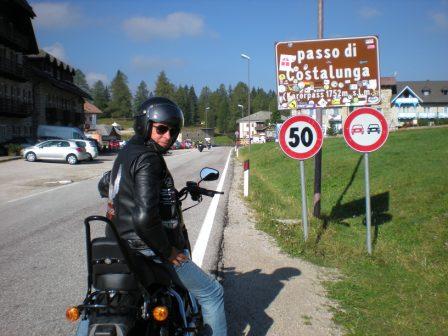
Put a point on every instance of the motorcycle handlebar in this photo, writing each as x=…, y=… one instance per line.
x=208, y=192
x=196, y=191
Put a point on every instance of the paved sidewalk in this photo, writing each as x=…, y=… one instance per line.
x=9, y=158
x=266, y=291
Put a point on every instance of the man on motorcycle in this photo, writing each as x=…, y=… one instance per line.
x=144, y=207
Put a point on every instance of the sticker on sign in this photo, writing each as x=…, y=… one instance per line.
x=300, y=137
x=328, y=72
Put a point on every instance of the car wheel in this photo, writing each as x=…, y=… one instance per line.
x=72, y=159
x=31, y=157
x=90, y=158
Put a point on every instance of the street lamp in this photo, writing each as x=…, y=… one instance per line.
x=206, y=109
x=242, y=109
x=246, y=57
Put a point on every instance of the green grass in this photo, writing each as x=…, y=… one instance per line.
x=402, y=289
x=224, y=140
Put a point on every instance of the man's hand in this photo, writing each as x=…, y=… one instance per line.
x=177, y=257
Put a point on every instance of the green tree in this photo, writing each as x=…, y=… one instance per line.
x=79, y=79
x=237, y=96
x=141, y=96
x=275, y=117
x=121, y=102
x=101, y=97
x=182, y=99
x=193, y=100
x=220, y=103
x=164, y=88
x=203, y=103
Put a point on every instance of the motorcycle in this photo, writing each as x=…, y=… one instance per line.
x=123, y=299
x=201, y=146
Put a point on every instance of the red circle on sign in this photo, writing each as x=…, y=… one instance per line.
x=315, y=127
x=356, y=145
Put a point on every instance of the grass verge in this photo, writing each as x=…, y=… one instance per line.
x=223, y=140
x=402, y=289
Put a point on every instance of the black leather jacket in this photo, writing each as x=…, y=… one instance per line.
x=142, y=200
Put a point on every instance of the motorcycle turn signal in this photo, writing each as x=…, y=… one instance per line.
x=72, y=314
x=160, y=313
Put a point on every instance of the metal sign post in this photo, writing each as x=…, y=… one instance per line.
x=366, y=130
x=368, y=212
x=304, y=212
x=300, y=138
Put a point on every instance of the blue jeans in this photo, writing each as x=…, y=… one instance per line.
x=209, y=293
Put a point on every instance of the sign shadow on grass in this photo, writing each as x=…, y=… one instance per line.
x=340, y=212
x=249, y=294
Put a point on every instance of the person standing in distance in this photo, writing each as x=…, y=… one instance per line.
x=143, y=205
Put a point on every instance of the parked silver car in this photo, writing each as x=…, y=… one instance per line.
x=64, y=150
x=90, y=146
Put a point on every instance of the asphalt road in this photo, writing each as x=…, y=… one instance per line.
x=42, y=248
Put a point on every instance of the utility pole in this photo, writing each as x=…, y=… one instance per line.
x=318, y=157
x=246, y=57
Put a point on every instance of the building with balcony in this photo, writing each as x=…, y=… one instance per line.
x=17, y=39
x=255, y=125
x=57, y=100
x=420, y=100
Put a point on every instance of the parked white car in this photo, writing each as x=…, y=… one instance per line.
x=90, y=146
x=258, y=139
x=58, y=150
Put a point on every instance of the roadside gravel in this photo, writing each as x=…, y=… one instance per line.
x=266, y=291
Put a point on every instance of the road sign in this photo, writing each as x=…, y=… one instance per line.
x=300, y=137
x=365, y=130
x=328, y=72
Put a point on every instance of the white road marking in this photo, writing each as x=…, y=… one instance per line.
x=204, y=234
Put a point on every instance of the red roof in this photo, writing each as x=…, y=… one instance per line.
x=90, y=108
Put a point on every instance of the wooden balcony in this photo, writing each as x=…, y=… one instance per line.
x=13, y=36
x=12, y=70
x=14, y=108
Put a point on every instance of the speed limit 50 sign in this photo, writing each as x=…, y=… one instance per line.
x=300, y=137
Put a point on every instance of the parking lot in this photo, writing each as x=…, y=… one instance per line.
x=20, y=178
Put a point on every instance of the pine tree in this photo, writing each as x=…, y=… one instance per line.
x=141, y=96
x=100, y=97
x=237, y=96
x=121, y=102
x=222, y=109
x=164, y=88
x=182, y=100
x=79, y=79
x=193, y=99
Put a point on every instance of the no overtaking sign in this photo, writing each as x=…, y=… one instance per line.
x=365, y=130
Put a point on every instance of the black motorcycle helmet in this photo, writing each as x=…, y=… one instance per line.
x=160, y=110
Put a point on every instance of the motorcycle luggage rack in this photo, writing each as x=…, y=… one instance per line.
x=110, y=295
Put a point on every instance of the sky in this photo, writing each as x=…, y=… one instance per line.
x=199, y=42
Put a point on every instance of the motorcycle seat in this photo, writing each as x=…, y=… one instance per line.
x=110, y=270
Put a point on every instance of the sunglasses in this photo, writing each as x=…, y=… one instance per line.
x=162, y=129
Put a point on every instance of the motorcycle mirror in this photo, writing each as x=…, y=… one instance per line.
x=209, y=174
